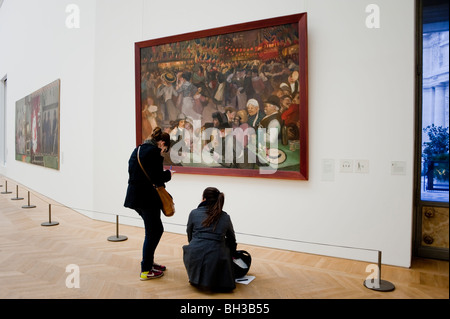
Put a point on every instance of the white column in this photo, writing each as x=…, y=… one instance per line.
x=439, y=105
x=446, y=114
x=427, y=106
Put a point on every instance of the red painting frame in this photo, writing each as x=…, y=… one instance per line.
x=300, y=20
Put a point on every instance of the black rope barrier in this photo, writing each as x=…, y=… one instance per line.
x=374, y=282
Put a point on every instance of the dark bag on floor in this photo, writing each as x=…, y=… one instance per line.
x=241, y=263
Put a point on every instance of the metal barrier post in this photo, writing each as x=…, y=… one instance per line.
x=6, y=188
x=49, y=223
x=17, y=194
x=378, y=284
x=117, y=237
x=29, y=206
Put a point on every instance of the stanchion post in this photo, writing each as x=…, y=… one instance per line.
x=6, y=188
x=379, y=285
x=17, y=194
x=117, y=237
x=29, y=206
x=49, y=223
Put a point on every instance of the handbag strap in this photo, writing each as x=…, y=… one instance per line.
x=140, y=164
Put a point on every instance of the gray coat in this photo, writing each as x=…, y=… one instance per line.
x=207, y=258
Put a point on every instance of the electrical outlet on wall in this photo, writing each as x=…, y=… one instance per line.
x=346, y=166
x=361, y=166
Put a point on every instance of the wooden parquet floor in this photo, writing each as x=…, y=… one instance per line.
x=34, y=260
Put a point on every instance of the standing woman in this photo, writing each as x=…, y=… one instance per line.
x=208, y=257
x=143, y=198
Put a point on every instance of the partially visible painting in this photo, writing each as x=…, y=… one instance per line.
x=37, y=127
x=233, y=99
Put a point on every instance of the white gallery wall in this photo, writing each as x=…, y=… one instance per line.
x=37, y=48
x=361, y=107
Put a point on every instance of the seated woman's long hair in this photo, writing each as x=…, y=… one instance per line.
x=215, y=200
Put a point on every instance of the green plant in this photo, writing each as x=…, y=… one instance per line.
x=438, y=144
x=436, y=153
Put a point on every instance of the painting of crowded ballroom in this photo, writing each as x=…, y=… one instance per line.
x=37, y=127
x=232, y=99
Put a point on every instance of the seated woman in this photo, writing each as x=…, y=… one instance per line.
x=208, y=257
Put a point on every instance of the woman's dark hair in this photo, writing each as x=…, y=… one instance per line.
x=215, y=200
x=159, y=135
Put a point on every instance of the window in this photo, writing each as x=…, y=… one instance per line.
x=435, y=107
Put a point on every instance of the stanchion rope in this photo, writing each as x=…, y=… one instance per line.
x=380, y=285
x=184, y=225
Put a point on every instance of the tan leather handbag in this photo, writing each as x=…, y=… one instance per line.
x=168, y=206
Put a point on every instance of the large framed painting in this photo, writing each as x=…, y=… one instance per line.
x=233, y=99
x=37, y=127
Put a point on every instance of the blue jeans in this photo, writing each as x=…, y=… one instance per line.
x=153, y=232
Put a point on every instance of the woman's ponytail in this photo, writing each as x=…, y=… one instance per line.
x=215, y=200
x=156, y=134
x=159, y=135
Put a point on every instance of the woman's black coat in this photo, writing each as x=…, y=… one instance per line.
x=207, y=258
x=141, y=193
